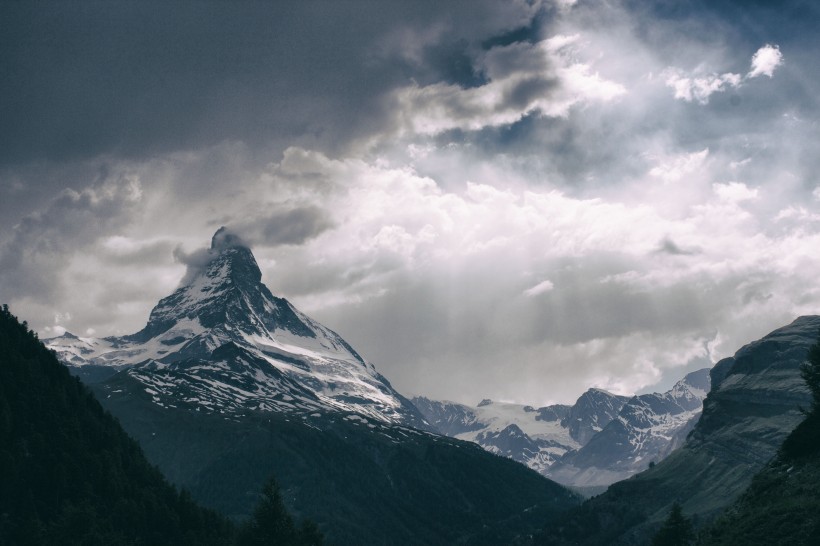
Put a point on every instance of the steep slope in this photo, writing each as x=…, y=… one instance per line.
x=780, y=507
x=752, y=407
x=69, y=473
x=222, y=342
x=647, y=429
x=782, y=504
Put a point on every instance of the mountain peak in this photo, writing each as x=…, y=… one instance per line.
x=227, y=342
x=230, y=256
x=224, y=239
x=233, y=261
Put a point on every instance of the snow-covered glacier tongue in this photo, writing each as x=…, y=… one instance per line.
x=222, y=342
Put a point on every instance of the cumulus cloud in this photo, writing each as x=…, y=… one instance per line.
x=435, y=261
x=765, y=61
x=735, y=192
x=699, y=88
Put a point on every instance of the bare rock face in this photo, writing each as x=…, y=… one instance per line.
x=591, y=413
x=757, y=402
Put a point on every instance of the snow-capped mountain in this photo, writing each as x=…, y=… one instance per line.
x=647, y=428
x=535, y=437
x=591, y=413
x=600, y=439
x=222, y=342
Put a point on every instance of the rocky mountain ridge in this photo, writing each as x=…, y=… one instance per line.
x=600, y=439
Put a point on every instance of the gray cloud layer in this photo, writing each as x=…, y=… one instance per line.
x=488, y=199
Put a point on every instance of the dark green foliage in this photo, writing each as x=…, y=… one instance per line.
x=600, y=520
x=272, y=524
x=805, y=440
x=811, y=374
x=781, y=507
x=68, y=473
x=677, y=530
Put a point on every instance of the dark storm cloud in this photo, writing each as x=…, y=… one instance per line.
x=284, y=225
x=293, y=227
x=137, y=78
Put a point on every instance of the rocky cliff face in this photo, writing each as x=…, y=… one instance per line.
x=228, y=384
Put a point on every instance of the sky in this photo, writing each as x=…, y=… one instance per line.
x=515, y=200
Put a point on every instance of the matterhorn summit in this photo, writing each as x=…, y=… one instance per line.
x=222, y=342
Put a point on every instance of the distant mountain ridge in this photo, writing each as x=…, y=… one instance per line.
x=600, y=439
x=647, y=429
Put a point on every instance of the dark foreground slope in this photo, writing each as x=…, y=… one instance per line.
x=68, y=472
x=363, y=481
x=753, y=405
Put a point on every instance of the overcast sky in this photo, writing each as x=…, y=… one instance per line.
x=514, y=200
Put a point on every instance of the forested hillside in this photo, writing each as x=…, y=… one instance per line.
x=70, y=474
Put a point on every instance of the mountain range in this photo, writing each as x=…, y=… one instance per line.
x=222, y=342
x=601, y=439
x=228, y=384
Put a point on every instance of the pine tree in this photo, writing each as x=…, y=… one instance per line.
x=804, y=441
x=811, y=374
x=272, y=524
x=677, y=530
